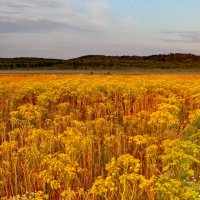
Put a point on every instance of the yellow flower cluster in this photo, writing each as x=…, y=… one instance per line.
x=100, y=137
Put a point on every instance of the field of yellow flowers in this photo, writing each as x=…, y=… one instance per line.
x=100, y=137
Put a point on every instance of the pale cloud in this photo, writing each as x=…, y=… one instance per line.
x=77, y=27
x=87, y=14
x=99, y=7
x=36, y=3
x=66, y=27
x=36, y=26
x=182, y=36
x=128, y=21
x=98, y=13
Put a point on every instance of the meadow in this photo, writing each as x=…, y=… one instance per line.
x=100, y=137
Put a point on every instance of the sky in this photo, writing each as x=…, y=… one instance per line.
x=71, y=28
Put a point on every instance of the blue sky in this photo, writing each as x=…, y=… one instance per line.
x=71, y=28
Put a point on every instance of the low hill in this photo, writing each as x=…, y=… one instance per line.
x=92, y=62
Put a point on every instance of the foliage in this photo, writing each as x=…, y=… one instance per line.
x=93, y=62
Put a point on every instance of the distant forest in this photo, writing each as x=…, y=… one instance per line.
x=92, y=62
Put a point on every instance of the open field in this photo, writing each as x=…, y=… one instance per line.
x=136, y=71
x=100, y=137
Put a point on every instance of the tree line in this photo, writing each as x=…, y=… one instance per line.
x=88, y=62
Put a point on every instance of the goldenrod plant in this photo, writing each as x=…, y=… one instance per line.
x=100, y=137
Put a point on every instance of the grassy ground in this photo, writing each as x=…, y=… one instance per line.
x=136, y=71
